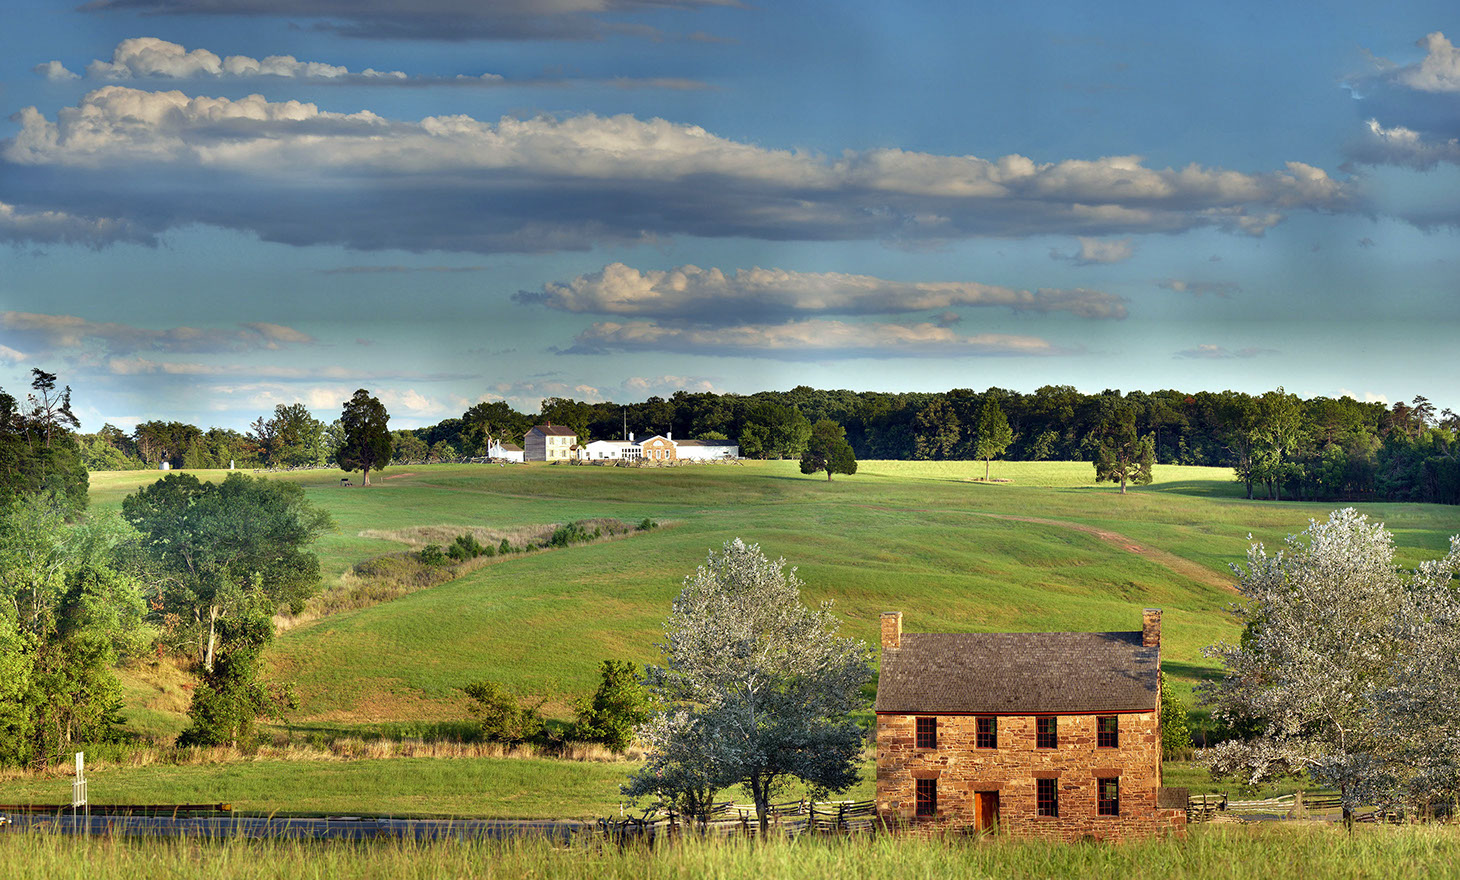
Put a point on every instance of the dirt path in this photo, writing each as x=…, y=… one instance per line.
x=1184, y=567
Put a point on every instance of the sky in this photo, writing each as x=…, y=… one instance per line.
x=209, y=208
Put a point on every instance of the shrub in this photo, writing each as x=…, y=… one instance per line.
x=504, y=548
x=572, y=533
x=431, y=555
x=503, y=717
x=1175, y=729
x=465, y=547
x=646, y=524
x=616, y=709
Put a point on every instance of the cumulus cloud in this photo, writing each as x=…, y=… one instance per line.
x=1219, y=288
x=1218, y=352
x=55, y=71
x=528, y=394
x=453, y=20
x=1438, y=71
x=714, y=296
x=153, y=57
x=1366, y=397
x=1413, y=110
x=72, y=333
x=60, y=227
x=806, y=340
x=1404, y=147
x=9, y=355
x=1096, y=251
x=277, y=169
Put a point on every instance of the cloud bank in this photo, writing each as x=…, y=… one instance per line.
x=712, y=296
x=76, y=334
x=805, y=340
x=292, y=173
x=453, y=20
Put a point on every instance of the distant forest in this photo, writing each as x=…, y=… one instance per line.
x=1279, y=445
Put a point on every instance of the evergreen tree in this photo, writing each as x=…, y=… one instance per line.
x=367, y=441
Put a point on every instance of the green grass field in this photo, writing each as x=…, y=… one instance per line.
x=1270, y=852
x=1047, y=550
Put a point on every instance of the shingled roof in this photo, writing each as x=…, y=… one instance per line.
x=554, y=430
x=1018, y=673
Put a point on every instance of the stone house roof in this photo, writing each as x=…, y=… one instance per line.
x=1018, y=673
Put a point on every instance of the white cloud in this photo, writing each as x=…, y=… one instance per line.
x=583, y=180
x=1097, y=251
x=1223, y=289
x=713, y=296
x=1366, y=397
x=54, y=71
x=1405, y=147
x=9, y=355
x=806, y=340
x=60, y=227
x=142, y=57
x=69, y=332
x=1218, y=352
x=1440, y=69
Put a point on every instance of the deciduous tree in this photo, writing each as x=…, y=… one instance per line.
x=828, y=450
x=994, y=435
x=1332, y=631
x=1122, y=456
x=757, y=687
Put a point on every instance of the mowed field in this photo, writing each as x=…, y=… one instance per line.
x=1047, y=550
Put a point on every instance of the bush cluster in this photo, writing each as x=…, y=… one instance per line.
x=609, y=716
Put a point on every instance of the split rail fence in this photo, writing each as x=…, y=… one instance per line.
x=728, y=819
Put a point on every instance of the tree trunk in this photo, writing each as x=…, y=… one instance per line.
x=828, y=473
x=213, y=616
x=365, y=476
x=986, y=470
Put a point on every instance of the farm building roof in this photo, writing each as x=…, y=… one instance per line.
x=1018, y=674
x=555, y=430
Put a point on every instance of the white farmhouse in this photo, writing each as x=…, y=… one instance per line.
x=550, y=443
x=504, y=451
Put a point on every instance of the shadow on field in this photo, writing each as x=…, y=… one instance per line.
x=1200, y=488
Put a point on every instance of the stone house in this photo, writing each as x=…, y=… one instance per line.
x=549, y=443
x=1037, y=734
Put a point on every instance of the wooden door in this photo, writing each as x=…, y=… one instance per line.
x=986, y=810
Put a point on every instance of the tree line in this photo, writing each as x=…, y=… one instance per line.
x=1278, y=444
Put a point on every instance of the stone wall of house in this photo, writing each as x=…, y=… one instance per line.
x=962, y=769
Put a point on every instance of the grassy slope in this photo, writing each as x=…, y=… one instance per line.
x=923, y=537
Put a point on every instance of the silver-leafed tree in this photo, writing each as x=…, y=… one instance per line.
x=756, y=688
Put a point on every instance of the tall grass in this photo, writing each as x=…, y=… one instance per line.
x=1209, y=853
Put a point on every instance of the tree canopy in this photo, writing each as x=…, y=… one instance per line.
x=367, y=442
x=1345, y=669
x=994, y=435
x=827, y=450
x=1122, y=456
x=756, y=688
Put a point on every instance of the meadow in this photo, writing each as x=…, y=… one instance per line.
x=1045, y=549
x=1238, y=852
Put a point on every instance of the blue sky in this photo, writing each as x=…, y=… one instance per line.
x=211, y=207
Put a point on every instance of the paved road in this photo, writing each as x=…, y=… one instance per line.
x=334, y=827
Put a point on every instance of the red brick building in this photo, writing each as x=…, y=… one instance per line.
x=1037, y=734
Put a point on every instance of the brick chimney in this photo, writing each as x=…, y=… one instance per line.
x=891, y=629
x=1150, y=628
